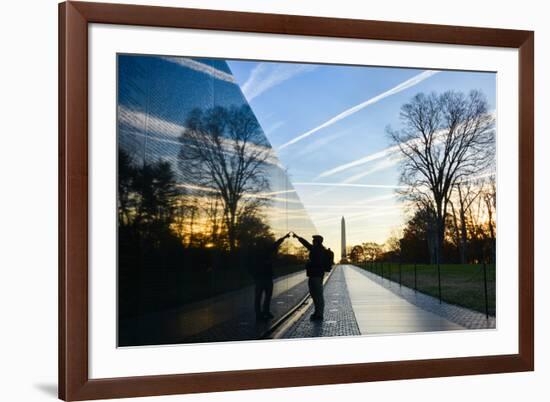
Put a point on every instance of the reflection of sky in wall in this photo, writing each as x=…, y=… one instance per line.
x=326, y=124
x=155, y=96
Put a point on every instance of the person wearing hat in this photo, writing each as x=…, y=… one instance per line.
x=315, y=270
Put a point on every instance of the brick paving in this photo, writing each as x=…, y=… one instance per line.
x=463, y=316
x=339, y=319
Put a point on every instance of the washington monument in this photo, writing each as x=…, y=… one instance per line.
x=343, y=229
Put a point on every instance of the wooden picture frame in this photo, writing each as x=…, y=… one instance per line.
x=74, y=381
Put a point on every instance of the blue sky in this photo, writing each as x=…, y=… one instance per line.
x=328, y=123
x=156, y=95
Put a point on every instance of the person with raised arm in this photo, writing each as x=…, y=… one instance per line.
x=263, y=278
x=320, y=261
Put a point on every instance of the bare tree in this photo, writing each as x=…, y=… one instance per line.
x=466, y=194
x=126, y=174
x=490, y=200
x=212, y=211
x=444, y=139
x=223, y=149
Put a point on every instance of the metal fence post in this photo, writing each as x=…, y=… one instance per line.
x=415, y=277
x=399, y=274
x=439, y=279
x=485, y=287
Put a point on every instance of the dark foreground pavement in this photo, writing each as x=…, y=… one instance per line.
x=229, y=317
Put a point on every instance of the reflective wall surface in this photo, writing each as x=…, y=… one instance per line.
x=202, y=203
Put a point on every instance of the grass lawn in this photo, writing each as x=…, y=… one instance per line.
x=461, y=284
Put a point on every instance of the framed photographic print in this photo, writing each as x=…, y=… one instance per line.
x=259, y=200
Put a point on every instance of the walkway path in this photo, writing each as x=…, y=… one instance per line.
x=463, y=316
x=359, y=302
x=380, y=311
x=339, y=317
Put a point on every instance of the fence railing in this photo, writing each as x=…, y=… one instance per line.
x=468, y=285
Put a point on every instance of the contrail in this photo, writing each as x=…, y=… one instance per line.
x=141, y=121
x=201, y=67
x=320, y=142
x=264, y=76
x=347, y=185
x=382, y=165
x=143, y=124
x=369, y=158
x=417, y=79
x=390, y=152
x=266, y=196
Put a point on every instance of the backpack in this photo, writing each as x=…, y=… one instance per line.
x=328, y=260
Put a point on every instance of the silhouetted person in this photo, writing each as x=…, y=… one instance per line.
x=319, y=262
x=263, y=277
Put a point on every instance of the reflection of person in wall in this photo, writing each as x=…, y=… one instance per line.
x=263, y=278
x=320, y=261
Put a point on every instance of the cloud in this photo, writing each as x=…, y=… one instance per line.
x=391, y=153
x=382, y=165
x=417, y=79
x=347, y=185
x=201, y=67
x=267, y=75
x=263, y=196
x=480, y=176
x=279, y=192
x=361, y=161
x=388, y=154
x=274, y=127
x=155, y=128
x=319, y=143
x=369, y=206
x=146, y=122
x=379, y=198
